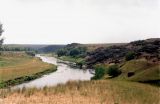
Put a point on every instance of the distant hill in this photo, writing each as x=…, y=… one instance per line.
x=36, y=47
x=50, y=48
x=31, y=46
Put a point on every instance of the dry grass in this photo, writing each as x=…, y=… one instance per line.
x=14, y=65
x=88, y=92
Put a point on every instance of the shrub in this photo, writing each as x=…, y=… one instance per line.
x=31, y=53
x=130, y=56
x=113, y=71
x=99, y=72
x=61, y=52
x=74, y=52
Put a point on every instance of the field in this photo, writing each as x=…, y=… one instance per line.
x=87, y=92
x=17, y=64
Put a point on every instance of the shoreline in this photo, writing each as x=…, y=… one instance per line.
x=20, y=80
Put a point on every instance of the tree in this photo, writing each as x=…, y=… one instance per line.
x=113, y=71
x=61, y=52
x=1, y=39
x=74, y=52
x=99, y=72
x=130, y=56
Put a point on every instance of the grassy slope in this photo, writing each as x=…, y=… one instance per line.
x=152, y=73
x=88, y=92
x=71, y=59
x=144, y=71
x=14, y=65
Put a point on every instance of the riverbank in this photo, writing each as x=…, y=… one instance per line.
x=24, y=79
x=73, y=61
x=85, y=92
x=18, y=67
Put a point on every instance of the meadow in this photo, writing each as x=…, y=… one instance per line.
x=18, y=64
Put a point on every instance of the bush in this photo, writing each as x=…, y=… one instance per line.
x=61, y=52
x=74, y=52
x=30, y=53
x=130, y=56
x=113, y=71
x=99, y=73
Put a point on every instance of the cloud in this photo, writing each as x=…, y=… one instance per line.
x=84, y=21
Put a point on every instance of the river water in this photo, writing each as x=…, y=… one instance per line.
x=63, y=74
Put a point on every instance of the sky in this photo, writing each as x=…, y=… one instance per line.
x=80, y=21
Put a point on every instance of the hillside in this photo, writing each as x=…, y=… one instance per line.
x=31, y=47
x=140, y=70
x=148, y=49
x=137, y=61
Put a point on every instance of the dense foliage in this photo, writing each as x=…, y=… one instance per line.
x=61, y=52
x=31, y=53
x=148, y=49
x=74, y=50
x=113, y=71
x=99, y=72
x=130, y=56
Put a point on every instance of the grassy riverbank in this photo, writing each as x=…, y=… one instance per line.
x=86, y=92
x=17, y=67
x=71, y=59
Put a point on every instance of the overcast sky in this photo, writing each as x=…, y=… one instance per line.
x=83, y=21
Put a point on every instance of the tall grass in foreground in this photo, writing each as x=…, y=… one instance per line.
x=87, y=92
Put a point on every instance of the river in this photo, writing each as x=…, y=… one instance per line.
x=63, y=74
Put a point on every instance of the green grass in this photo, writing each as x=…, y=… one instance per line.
x=13, y=58
x=148, y=74
x=135, y=65
x=71, y=59
x=26, y=78
x=18, y=65
x=144, y=71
